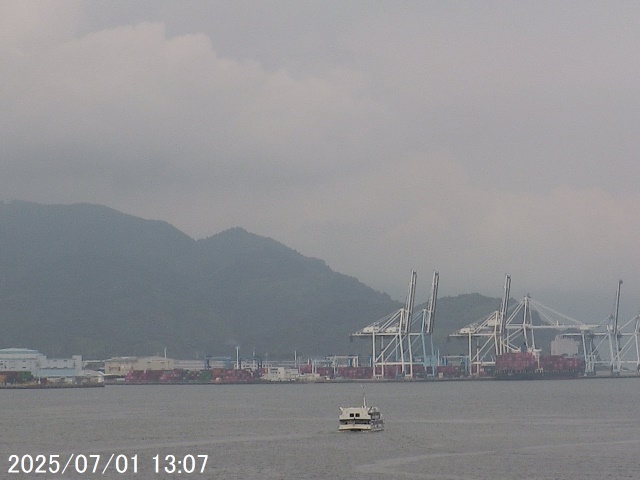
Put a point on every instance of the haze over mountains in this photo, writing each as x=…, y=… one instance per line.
x=87, y=279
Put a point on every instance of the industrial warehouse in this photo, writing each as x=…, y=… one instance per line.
x=24, y=367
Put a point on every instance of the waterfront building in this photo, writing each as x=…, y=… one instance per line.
x=154, y=363
x=119, y=366
x=191, y=364
x=281, y=374
x=24, y=360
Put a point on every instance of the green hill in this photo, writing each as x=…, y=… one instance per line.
x=86, y=279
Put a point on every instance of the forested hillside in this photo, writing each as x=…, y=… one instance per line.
x=86, y=279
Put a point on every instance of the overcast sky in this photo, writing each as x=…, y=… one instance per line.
x=476, y=138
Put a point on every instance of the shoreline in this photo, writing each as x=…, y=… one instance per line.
x=370, y=380
x=36, y=386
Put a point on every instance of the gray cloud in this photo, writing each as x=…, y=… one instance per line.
x=478, y=139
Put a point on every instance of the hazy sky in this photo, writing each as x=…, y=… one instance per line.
x=476, y=138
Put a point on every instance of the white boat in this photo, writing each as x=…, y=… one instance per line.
x=361, y=419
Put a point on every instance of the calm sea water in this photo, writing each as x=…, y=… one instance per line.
x=445, y=430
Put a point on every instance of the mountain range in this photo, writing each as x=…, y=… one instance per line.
x=87, y=279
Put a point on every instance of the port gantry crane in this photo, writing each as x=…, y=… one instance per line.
x=399, y=340
x=620, y=342
x=503, y=332
x=629, y=345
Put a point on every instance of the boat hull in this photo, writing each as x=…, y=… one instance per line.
x=361, y=428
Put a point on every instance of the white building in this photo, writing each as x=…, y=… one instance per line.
x=154, y=363
x=281, y=374
x=26, y=360
x=119, y=366
x=20, y=360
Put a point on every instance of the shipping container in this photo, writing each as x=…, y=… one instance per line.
x=527, y=366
